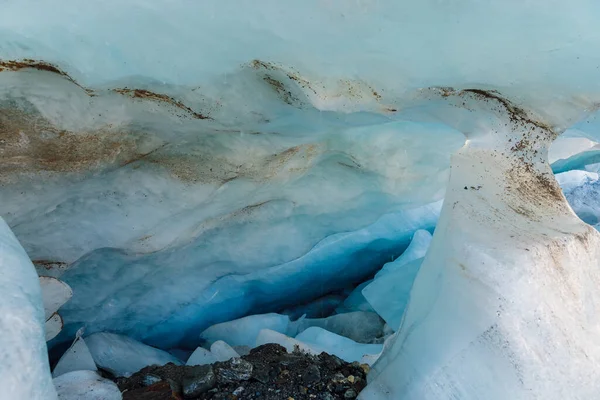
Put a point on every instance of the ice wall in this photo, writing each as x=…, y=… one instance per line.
x=505, y=301
x=24, y=369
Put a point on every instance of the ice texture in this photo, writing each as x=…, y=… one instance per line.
x=88, y=385
x=24, y=369
x=176, y=186
x=76, y=358
x=243, y=331
x=123, y=356
x=360, y=326
x=222, y=351
x=389, y=293
x=504, y=303
x=346, y=349
x=201, y=356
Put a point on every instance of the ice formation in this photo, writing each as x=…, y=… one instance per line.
x=122, y=356
x=88, y=385
x=202, y=162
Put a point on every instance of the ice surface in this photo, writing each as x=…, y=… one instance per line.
x=504, y=305
x=24, y=369
x=55, y=293
x=221, y=351
x=156, y=294
x=88, y=385
x=417, y=249
x=356, y=301
x=319, y=308
x=123, y=356
x=389, y=293
x=243, y=331
x=360, y=326
x=178, y=189
x=53, y=326
x=76, y=358
x=201, y=356
x=344, y=348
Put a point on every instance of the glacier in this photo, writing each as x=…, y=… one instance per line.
x=198, y=163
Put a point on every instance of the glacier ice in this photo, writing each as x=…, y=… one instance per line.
x=88, y=385
x=417, y=249
x=24, y=369
x=123, y=356
x=389, y=294
x=201, y=356
x=221, y=351
x=243, y=331
x=175, y=186
x=360, y=326
x=76, y=358
x=320, y=339
x=509, y=279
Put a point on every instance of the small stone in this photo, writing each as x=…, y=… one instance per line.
x=150, y=380
x=238, y=391
x=311, y=375
x=234, y=370
x=365, y=368
x=197, y=380
x=350, y=394
x=326, y=396
x=350, y=378
x=260, y=372
x=290, y=398
x=338, y=377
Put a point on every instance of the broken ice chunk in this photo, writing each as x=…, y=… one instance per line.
x=53, y=326
x=201, y=356
x=122, y=356
x=77, y=358
x=389, y=294
x=88, y=385
x=360, y=326
x=346, y=349
x=243, y=331
x=222, y=351
x=55, y=293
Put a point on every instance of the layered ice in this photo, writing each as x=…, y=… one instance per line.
x=175, y=186
x=346, y=349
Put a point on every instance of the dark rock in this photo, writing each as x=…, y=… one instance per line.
x=260, y=372
x=350, y=394
x=311, y=375
x=330, y=361
x=326, y=396
x=197, y=380
x=234, y=370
